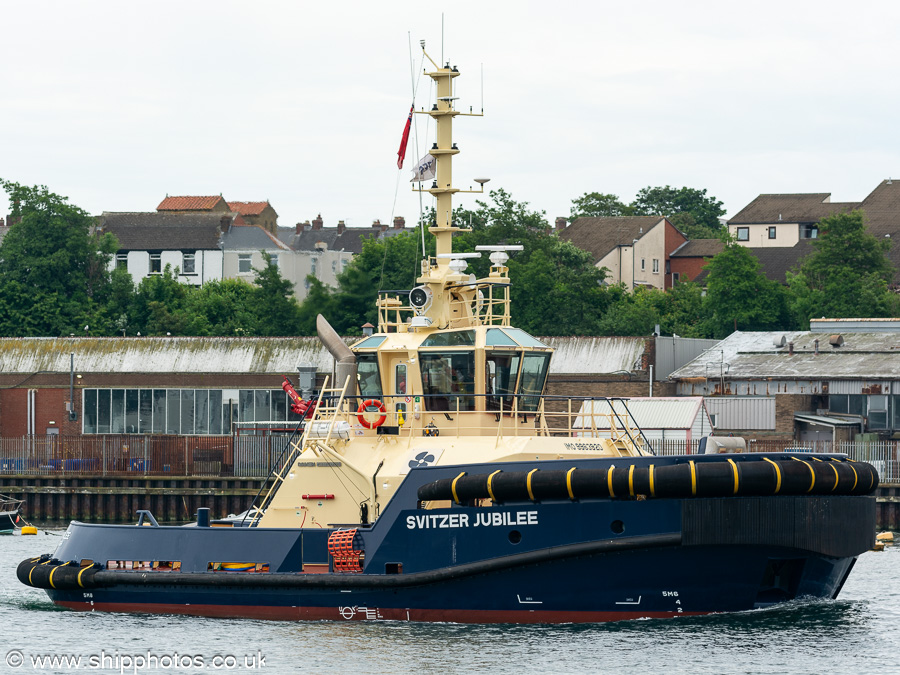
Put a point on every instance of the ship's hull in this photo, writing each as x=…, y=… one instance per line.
x=651, y=583
x=550, y=559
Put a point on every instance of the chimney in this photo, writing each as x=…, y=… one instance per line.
x=225, y=223
x=302, y=226
x=816, y=346
x=377, y=223
x=341, y=227
x=2, y=224
x=399, y=223
x=561, y=223
x=791, y=348
x=317, y=222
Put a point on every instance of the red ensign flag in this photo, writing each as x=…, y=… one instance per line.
x=401, y=153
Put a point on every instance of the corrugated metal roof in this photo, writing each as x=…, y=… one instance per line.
x=595, y=355
x=753, y=355
x=163, y=355
x=648, y=413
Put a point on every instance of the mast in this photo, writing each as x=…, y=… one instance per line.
x=443, y=150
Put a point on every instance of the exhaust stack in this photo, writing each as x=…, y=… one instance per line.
x=345, y=360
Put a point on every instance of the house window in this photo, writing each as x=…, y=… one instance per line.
x=334, y=266
x=188, y=263
x=243, y=263
x=313, y=262
x=121, y=261
x=155, y=263
x=771, y=232
x=274, y=259
x=809, y=231
x=743, y=234
x=655, y=266
x=878, y=412
x=676, y=277
x=643, y=265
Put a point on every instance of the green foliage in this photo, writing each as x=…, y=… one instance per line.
x=690, y=210
x=227, y=307
x=847, y=275
x=740, y=297
x=278, y=313
x=52, y=270
x=598, y=205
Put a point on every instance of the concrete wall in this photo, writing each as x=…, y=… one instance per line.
x=786, y=234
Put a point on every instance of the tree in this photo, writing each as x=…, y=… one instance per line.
x=598, y=205
x=847, y=275
x=277, y=310
x=688, y=209
x=53, y=272
x=739, y=296
x=227, y=307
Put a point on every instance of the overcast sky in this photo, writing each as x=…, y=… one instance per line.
x=116, y=104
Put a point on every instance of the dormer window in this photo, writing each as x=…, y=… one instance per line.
x=809, y=231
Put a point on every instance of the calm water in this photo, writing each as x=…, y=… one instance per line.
x=859, y=633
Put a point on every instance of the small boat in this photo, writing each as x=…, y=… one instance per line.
x=437, y=481
x=9, y=514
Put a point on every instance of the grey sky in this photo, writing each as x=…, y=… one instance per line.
x=116, y=104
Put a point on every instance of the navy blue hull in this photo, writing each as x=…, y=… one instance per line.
x=661, y=582
x=560, y=560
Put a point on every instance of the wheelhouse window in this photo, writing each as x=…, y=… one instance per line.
x=188, y=263
x=743, y=234
x=448, y=380
x=400, y=379
x=155, y=263
x=501, y=376
x=368, y=376
x=534, y=376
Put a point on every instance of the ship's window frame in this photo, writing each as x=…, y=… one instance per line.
x=451, y=384
x=457, y=338
x=524, y=339
x=400, y=379
x=496, y=337
x=529, y=400
x=371, y=342
x=497, y=398
x=369, y=383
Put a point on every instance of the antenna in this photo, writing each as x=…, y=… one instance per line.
x=499, y=254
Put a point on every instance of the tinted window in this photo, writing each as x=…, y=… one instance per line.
x=501, y=375
x=448, y=380
x=367, y=374
x=534, y=374
x=462, y=338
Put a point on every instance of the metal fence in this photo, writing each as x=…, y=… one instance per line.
x=253, y=455
x=245, y=456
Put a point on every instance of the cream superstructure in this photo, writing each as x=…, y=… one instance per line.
x=446, y=380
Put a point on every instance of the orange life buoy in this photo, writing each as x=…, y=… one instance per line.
x=364, y=407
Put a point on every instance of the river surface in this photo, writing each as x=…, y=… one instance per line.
x=859, y=633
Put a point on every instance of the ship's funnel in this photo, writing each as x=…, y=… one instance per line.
x=345, y=360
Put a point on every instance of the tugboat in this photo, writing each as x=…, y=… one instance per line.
x=436, y=481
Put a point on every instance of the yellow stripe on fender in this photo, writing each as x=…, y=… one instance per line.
x=777, y=474
x=453, y=487
x=855, y=477
x=82, y=572
x=734, y=470
x=812, y=482
x=569, y=483
x=836, y=477
x=693, y=478
x=631, y=480
x=528, y=484
x=489, y=488
x=609, y=471
x=652, y=487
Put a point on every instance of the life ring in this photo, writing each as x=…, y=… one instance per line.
x=364, y=407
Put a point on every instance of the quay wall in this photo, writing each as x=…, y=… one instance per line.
x=55, y=500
